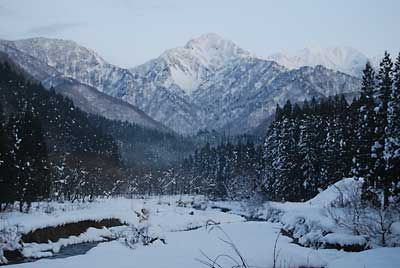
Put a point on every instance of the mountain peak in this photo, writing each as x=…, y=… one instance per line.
x=187, y=67
x=214, y=50
x=207, y=39
x=57, y=51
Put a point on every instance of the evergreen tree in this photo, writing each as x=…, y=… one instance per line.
x=365, y=125
x=30, y=156
x=382, y=96
x=271, y=154
x=286, y=163
x=392, y=131
x=7, y=186
x=309, y=156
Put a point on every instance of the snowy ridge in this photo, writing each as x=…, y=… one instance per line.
x=230, y=89
x=244, y=94
x=209, y=83
x=189, y=66
x=84, y=96
x=213, y=51
x=344, y=59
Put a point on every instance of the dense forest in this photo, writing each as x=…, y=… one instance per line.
x=312, y=145
x=49, y=149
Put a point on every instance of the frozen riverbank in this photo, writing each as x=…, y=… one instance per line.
x=255, y=240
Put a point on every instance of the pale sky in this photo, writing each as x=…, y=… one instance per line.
x=130, y=32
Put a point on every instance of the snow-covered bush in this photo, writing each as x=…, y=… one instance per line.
x=144, y=233
x=9, y=237
x=350, y=212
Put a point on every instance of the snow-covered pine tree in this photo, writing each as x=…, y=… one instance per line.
x=30, y=156
x=287, y=181
x=382, y=98
x=7, y=185
x=336, y=141
x=392, y=139
x=328, y=136
x=309, y=152
x=270, y=155
x=365, y=125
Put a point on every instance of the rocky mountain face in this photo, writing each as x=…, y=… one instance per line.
x=210, y=83
x=243, y=95
x=84, y=96
x=232, y=90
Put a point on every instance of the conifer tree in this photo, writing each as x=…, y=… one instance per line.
x=365, y=126
x=30, y=156
x=7, y=186
x=309, y=155
x=392, y=131
x=382, y=98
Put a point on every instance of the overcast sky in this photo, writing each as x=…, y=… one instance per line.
x=130, y=32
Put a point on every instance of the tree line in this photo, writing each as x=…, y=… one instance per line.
x=312, y=145
x=48, y=147
x=51, y=150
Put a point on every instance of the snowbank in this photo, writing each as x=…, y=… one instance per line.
x=309, y=223
x=374, y=258
x=254, y=240
x=167, y=214
x=340, y=192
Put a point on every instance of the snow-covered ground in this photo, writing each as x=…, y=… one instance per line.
x=255, y=240
x=171, y=213
x=186, y=235
x=166, y=214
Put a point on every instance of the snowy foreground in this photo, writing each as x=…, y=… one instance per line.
x=255, y=240
x=181, y=221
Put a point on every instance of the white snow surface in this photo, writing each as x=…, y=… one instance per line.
x=337, y=191
x=374, y=258
x=163, y=212
x=184, y=243
x=255, y=241
x=167, y=214
x=344, y=239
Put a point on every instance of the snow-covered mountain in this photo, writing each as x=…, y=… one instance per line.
x=184, y=68
x=243, y=95
x=69, y=59
x=84, y=96
x=231, y=89
x=209, y=83
x=344, y=59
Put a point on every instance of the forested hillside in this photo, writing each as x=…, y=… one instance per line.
x=312, y=145
x=143, y=148
x=49, y=147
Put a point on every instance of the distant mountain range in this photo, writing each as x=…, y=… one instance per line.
x=32, y=56
x=210, y=83
x=343, y=59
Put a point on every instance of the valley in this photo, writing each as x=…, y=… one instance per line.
x=198, y=134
